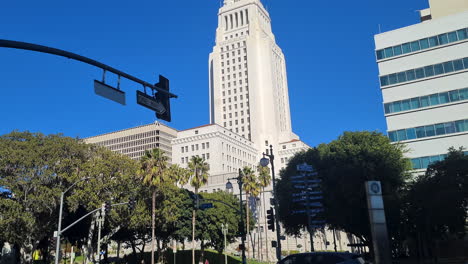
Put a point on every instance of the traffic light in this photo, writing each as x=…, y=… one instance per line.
x=131, y=204
x=107, y=207
x=274, y=243
x=164, y=99
x=271, y=219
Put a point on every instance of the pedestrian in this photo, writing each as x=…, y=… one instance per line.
x=206, y=261
x=37, y=256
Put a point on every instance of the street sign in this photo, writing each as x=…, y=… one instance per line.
x=316, y=204
x=306, y=181
x=305, y=167
x=109, y=92
x=150, y=102
x=304, y=197
x=317, y=222
x=206, y=206
x=310, y=211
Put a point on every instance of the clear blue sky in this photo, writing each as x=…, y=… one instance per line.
x=333, y=78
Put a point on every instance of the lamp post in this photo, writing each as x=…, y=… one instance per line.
x=59, y=229
x=264, y=162
x=224, y=229
x=230, y=188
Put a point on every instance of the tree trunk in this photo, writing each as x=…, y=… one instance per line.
x=202, y=253
x=118, y=249
x=88, y=249
x=193, y=226
x=132, y=243
x=193, y=236
x=247, y=222
x=153, y=220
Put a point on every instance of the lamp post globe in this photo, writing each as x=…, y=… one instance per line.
x=229, y=186
x=264, y=162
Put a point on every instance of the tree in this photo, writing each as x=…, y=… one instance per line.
x=437, y=202
x=252, y=189
x=344, y=165
x=264, y=179
x=154, y=173
x=199, y=170
x=35, y=169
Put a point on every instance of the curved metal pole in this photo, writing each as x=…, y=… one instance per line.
x=44, y=49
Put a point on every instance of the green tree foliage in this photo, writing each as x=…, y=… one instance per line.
x=252, y=189
x=35, y=169
x=344, y=165
x=437, y=202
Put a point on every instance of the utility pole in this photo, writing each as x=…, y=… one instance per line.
x=100, y=222
x=224, y=229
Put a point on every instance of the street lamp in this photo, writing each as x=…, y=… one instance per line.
x=264, y=162
x=59, y=229
x=229, y=188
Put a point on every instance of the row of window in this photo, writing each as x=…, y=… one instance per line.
x=429, y=131
x=424, y=162
x=422, y=44
x=236, y=19
x=425, y=101
x=203, y=156
x=424, y=72
x=236, y=115
x=234, y=91
x=195, y=146
x=235, y=150
x=128, y=138
x=237, y=35
x=235, y=107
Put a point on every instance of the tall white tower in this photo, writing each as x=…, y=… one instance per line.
x=247, y=76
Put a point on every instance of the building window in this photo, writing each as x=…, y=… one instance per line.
x=207, y=145
x=182, y=149
x=207, y=156
x=182, y=160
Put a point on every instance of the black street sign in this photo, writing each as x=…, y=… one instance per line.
x=109, y=92
x=317, y=222
x=310, y=211
x=150, y=102
x=307, y=181
x=206, y=206
x=316, y=204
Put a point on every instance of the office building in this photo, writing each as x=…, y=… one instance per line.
x=424, y=82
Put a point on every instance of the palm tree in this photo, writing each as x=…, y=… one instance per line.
x=180, y=176
x=154, y=173
x=199, y=171
x=252, y=188
x=264, y=179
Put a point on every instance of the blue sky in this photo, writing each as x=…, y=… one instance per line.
x=329, y=49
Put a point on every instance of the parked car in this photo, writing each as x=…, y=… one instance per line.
x=323, y=258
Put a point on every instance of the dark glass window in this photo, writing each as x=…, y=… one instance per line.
x=401, y=77
x=460, y=126
x=434, y=99
x=462, y=34
x=440, y=129
x=430, y=130
x=443, y=39
x=434, y=159
x=411, y=133
x=406, y=48
x=415, y=103
x=448, y=66
x=397, y=50
x=419, y=73
x=452, y=36
x=388, y=52
x=438, y=69
x=397, y=106
x=410, y=75
x=433, y=41
x=425, y=161
x=454, y=96
x=401, y=134
x=416, y=164
x=415, y=46
x=463, y=94
x=392, y=136
x=465, y=62
x=392, y=78
x=458, y=65
x=450, y=128
x=384, y=81
x=405, y=105
x=380, y=54
x=429, y=70
x=424, y=101
x=424, y=43
x=387, y=108
x=420, y=132
x=444, y=98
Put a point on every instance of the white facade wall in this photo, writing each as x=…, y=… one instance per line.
x=431, y=115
